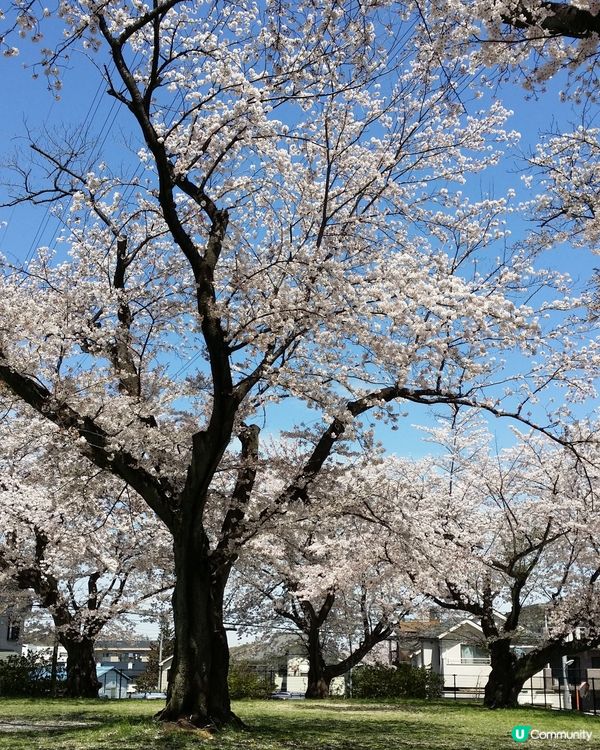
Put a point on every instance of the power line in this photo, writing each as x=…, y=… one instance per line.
x=86, y=125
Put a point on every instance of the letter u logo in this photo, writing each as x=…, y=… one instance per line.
x=520, y=733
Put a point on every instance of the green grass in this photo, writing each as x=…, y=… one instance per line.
x=296, y=725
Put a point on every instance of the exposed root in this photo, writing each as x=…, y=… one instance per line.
x=207, y=725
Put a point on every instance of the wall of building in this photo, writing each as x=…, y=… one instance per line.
x=113, y=685
x=8, y=642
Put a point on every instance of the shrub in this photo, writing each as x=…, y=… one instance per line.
x=24, y=676
x=245, y=682
x=401, y=681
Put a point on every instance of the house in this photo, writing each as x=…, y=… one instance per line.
x=280, y=658
x=130, y=657
x=458, y=651
x=10, y=635
x=163, y=673
x=114, y=683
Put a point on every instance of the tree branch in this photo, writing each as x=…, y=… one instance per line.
x=96, y=441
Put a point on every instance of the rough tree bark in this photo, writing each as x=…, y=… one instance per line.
x=319, y=677
x=561, y=19
x=198, y=687
x=505, y=680
x=81, y=681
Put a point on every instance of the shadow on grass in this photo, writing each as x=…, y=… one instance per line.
x=342, y=731
x=57, y=725
x=370, y=706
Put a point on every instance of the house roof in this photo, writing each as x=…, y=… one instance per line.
x=101, y=671
x=459, y=625
x=139, y=645
x=420, y=628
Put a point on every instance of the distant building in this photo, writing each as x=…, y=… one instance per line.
x=114, y=683
x=129, y=657
x=10, y=635
x=280, y=659
x=458, y=652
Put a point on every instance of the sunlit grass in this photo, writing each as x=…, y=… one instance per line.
x=296, y=725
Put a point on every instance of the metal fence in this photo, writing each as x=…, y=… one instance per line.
x=550, y=688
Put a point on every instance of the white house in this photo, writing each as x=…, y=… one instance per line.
x=459, y=653
x=114, y=683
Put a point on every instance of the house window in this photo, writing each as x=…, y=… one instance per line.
x=13, y=631
x=472, y=654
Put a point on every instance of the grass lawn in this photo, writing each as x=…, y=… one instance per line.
x=275, y=725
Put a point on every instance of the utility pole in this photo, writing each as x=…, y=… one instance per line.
x=160, y=658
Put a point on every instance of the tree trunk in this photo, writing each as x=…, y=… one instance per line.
x=81, y=681
x=505, y=681
x=318, y=677
x=198, y=690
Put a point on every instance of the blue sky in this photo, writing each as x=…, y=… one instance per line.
x=29, y=104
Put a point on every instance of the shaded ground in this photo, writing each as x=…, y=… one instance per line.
x=297, y=725
x=42, y=726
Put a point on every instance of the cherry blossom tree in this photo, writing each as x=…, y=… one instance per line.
x=534, y=39
x=493, y=534
x=76, y=541
x=539, y=42
x=325, y=575
x=294, y=231
x=568, y=206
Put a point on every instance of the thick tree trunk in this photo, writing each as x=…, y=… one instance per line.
x=505, y=681
x=198, y=690
x=81, y=681
x=318, y=677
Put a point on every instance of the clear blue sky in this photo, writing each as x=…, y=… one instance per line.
x=28, y=104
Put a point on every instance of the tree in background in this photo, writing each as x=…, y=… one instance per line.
x=293, y=229
x=490, y=535
x=325, y=575
x=79, y=544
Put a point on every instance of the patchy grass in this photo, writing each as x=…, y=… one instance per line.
x=296, y=725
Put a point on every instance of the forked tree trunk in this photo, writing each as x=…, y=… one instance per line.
x=81, y=681
x=318, y=678
x=198, y=690
x=505, y=681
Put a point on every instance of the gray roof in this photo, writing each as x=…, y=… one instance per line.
x=101, y=671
